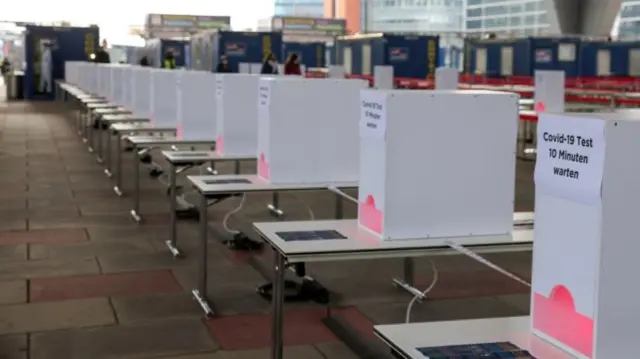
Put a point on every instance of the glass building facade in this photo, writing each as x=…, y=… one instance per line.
x=506, y=17
x=629, y=20
x=415, y=16
x=306, y=8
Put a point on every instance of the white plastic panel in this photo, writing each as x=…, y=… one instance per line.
x=634, y=62
x=506, y=61
x=566, y=52
x=603, y=63
x=347, y=60
x=481, y=61
x=366, y=59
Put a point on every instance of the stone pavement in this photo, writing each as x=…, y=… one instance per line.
x=80, y=280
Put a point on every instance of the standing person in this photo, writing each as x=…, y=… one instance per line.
x=102, y=56
x=223, y=65
x=46, y=62
x=5, y=66
x=144, y=61
x=292, y=66
x=269, y=65
x=169, y=61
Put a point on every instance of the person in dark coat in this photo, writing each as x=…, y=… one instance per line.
x=223, y=65
x=292, y=66
x=102, y=56
x=269, y=65
x=144, y=61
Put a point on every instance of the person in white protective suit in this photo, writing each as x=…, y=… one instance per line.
x=46, y=63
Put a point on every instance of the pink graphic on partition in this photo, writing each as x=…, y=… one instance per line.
x=220, y=145
x=179, y=131
x=152, y=119
x=557, y=317
x=263, y=167
x=540, y=107
x=369, y=216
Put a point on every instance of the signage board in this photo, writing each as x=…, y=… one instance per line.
x=309, y=25
x=182, y=25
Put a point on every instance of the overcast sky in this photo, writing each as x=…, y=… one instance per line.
x=116, y=16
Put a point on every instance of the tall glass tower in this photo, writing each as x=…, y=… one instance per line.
x=506, y=17
x=305, y=8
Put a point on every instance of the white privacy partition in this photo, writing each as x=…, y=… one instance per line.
x=164, y=102
x=196, y=106
x=237, y=114
x=128, y=97
x=113, y=84
x=118, y=84
x=142, y=89
x=308, y=129
x=71, y=69
x=103, y=80
x=93, y=78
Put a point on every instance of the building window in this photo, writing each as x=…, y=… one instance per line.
x=475, y=12
x=474, y=24
x=495, y=10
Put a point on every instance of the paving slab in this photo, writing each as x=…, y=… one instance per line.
x=140, y=262
x=14, y=252
x=89, y=249
x=253, y=331
x=14, y=346
x=120, y=220
x=39, y=317
x=13, y=292
x=155, y=307
x=12, y=270
x=58, y=235
x=125, y=341
x=295, y=352
x=335, y=350
x=102, y=285
x=521, y=302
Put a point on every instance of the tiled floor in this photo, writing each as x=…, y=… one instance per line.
x=80, y=280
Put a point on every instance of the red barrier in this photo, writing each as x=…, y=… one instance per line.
x=597, y=98
x=613, y=84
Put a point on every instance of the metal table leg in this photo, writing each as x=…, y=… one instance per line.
x=407, y=283
x=135, y=212
x=274, y=207
x=79, y=121
x=339, y=206
x=277, y=302
x=85, y=129
x=99, y=134
x=173, y=204
x=236, y=167
x=118, y=187
x=107, y=169
x=90, y=131
x=200, y=293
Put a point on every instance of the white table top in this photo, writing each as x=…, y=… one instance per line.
x=92, y=101
x=123, y=117
x=110, y=110
x=256, y=185
x=406, y=338
x=101, y=104
x=362, y=244
x=177, y=157
x=140, y=127
x=164, y=140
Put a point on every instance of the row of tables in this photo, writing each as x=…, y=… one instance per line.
x=292, y=242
